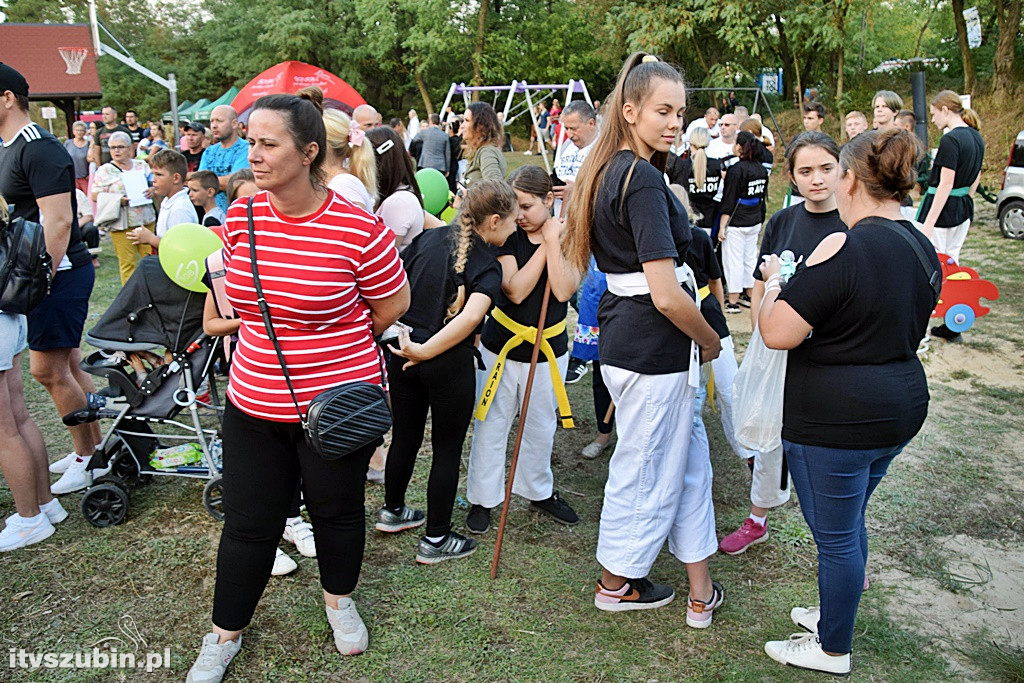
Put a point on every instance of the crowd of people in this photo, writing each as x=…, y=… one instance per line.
x=653, y=231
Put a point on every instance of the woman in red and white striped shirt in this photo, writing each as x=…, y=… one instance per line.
x=332, y=278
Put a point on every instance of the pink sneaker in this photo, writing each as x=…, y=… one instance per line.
x=750, y=533
x=698, y=613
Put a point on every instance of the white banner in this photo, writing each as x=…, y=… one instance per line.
x=973, y=27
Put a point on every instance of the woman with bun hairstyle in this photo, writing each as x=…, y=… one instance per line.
x=332, y=280
x=399, y=201
x=947, y=208
x=531, y=260
x=812, y=163
x=481, y=144
x=455, y=280
x=349, y=165
x=744, y=194
x=659, y=478
x=855, y=392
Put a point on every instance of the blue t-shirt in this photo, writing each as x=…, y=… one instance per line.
x=225, y=162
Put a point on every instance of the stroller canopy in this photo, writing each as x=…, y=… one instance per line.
x=150, y=311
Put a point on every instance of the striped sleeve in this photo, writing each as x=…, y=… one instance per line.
x=380, y=273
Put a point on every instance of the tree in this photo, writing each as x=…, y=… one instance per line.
x=1008, y=14
x=965, y=50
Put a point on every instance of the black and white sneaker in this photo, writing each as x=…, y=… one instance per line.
x=451, y=547
x=634, y=594
x=557, y=509
x=479, y=519
x=393, y=522
x=744, y=300
x=732, y=308
x=577, y=368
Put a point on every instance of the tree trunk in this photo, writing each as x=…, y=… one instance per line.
x=478, y=49
x=1008, y=13
x=424, y=93
x=839, y=87
x=789, y=71
x=965, y=51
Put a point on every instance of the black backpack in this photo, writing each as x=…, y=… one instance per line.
x=26, y=269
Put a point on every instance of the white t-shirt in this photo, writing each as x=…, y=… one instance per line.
x=702, y=123
x=402, y=213
x=352, y=189
x=720, y=150
x=174, y=211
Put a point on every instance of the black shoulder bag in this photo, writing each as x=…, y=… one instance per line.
x=340, y=420
x=26, y=269
x=934, y=275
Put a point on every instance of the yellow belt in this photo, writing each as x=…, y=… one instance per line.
x=521, y=334
x=704, y=292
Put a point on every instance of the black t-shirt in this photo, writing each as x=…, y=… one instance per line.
x=745, y=180
x=102, y=139
x=797, y=230
x=856, y=381
x=767, y=159
x=649, y=225
x=192, y=160
x=701, y=258
x=35, y=165
x=429, y=263
x=526, y=313
x=702, y=197
x=137, y=134
x=961, y=149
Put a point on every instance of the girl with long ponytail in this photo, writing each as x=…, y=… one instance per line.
x=455, y=279
x=653, y=339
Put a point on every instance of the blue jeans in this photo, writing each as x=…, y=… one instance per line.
x=834, y=486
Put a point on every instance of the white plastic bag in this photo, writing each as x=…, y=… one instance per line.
x=757, y=394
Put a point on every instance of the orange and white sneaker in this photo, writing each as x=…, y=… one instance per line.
x=634, y=594
x=699, y=613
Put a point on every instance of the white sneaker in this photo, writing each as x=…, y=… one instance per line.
x=22, y=531
x=54, y=511
x=299, y=532
x=350, y=636
x=283, y=564
x=803, y=651
x=806, y=618
x=74, y=477
x=61, y=466
x=374, y=476
x=213, y=659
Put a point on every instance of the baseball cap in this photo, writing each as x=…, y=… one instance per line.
x=11, y=79
x=196, y=126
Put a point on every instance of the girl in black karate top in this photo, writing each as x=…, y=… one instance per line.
x=701, y=177
x=455, y=279
x=743, y=211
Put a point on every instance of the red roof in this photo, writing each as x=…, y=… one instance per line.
x=32, y=50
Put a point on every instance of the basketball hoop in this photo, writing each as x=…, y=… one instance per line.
x=73, y=57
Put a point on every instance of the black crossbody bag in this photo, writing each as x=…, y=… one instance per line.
x=338, y=421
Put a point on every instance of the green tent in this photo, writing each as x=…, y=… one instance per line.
x=166, y=118
x=189, y=113
x=203, y=113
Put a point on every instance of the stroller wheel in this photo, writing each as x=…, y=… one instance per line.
x=213, y=498
x=126, y=468
x=105, y=503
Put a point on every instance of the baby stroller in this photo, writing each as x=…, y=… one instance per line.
x=155, y=357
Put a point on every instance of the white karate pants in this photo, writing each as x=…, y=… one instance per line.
x=739, y=256
x=950, y=241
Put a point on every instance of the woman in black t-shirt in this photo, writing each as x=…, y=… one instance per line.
x=855, y=390
x=701, y=177
x=659, y=478
x=530, y=260
x=743, y=210
x=454, y=279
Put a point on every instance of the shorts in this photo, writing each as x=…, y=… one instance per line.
x=13, y=332
x=57, y=323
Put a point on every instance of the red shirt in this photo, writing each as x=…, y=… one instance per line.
x=317, y=272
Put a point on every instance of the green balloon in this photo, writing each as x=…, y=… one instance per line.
x=448, y=215
x=434, y=188
x=183, y=252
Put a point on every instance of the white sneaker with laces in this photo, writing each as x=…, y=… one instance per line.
x=350, y=636
x=61, y=466
x=803, y=651
x=213, y=659
x=283, y=564
x=74, y=478
x=54, y=511
x=806, y=617
x=300, y=532
x=22, y=531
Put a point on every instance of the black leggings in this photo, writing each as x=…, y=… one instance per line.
x=447, y=386
x=263, y=462
x=602, y=400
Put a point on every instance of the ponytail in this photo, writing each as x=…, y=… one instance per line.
x=700, y=138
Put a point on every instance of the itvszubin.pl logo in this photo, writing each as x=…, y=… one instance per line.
x=109, y=653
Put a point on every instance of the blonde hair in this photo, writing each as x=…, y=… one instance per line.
x=361, y=161
x=485, y=198
x=637, y=79
x=858, y=115
x=700, y=138
x=684, y=198
x=3, y=211
x=951, y=101
x=754, y=127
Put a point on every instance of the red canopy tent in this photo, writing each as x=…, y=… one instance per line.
x=292, y=76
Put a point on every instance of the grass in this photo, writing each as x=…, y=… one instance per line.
x=536, y=621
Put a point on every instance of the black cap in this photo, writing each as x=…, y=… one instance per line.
x=196, y=126
x=11, y=79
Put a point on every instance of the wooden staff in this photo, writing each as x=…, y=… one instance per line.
x=519, y=429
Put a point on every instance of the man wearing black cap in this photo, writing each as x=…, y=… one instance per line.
x=37, y=179
x=194, y=133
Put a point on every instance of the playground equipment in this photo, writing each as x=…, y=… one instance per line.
x=959, y=303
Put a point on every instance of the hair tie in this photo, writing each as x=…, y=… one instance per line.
x=356, y=136
x=648, y=58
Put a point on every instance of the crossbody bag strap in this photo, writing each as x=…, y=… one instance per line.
x=265, y=311
x=934, y=276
